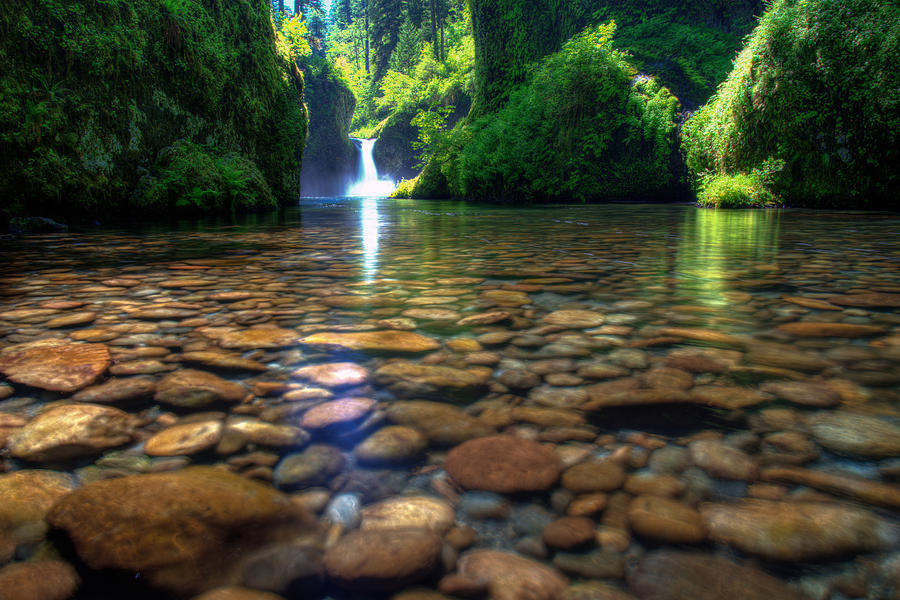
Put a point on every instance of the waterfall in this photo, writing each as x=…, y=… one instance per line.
x=367, y=182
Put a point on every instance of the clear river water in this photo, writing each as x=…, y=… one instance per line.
x=373, y=398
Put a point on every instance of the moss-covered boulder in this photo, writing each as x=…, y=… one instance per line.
x=126, y=107
x=330, y=160
x=585, y=126
x=811, y=106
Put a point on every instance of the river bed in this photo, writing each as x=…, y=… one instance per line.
x=375, y=398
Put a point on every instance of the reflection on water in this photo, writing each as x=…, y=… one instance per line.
x=369, y=222
x=656, y=400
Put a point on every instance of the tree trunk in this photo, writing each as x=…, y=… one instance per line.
x=434, y=40
x=298, y=7
x=280, y=8
x=367, y=35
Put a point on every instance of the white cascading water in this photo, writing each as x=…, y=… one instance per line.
x=368, y=183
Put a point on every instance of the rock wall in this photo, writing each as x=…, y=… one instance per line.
x=330, y=160
x=122, y=107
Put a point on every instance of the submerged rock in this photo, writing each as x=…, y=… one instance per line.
x=55, y=365
x=375, y=341
x=797, y=531
x=855, y=434
x=413, y=379
x=188, y=388
x=443, y=424
x=72, y=430
x=504, y=464
x=38, y=580
x=668, y=575
x=183, y=531
x=382, y=559
x=512, y=577
x=401, y=512
x=25, y=498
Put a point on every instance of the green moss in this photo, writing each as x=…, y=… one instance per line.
x=583, y=127
x=735, y=191
x=93, y=94
x=816, y=89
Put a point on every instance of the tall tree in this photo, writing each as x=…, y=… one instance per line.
x=387, y=19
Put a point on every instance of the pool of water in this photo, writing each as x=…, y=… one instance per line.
x=375, y=398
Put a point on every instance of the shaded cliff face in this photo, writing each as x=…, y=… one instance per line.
x=330, y=159
x=689, y=44
x=130, y=107
x=811, y=106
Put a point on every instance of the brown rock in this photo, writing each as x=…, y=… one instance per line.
x=863, y=490
x=382, y=559
x=506, y=297
x=71, y=320
x=668, y=575
x=797, y=531
x=729, y=397
x=594, y=590
x=654, y=485
x=189, y=438
x=237, y=593
x=868, y=300
x=25, y=498
x=512, y=577
x=802, y=392
x=54, y=365
x=420, y=512
x=391, y=444
x=375, y=341
x=441, y=423
x=666, y=520
x=334, y=375
x=180, y=530
x=843, y=330
x=575, y=319
x=594, y=476
x=336, y=412
x=410, y=378
x=488, y=318
x=38, y=580
x=223, y=360
x=188, y=388
x=721, y=460
x=504, y=464
x=855, y=434
x=266, y=434
x=568, y=532
x=668, y=378
x=71, y=430
x=251, y=339
x=703, y=335
x=117, y=390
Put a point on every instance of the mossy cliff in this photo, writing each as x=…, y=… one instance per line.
x=120, y=107
x=330, y=160
x=688, y=45
x=811, y=108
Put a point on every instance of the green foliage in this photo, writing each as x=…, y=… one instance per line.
x=295, y=35
x=431, y=123
x=583, y=127
x=92, y=92
x=816, y=88
x=735, y=191
x=191, y=179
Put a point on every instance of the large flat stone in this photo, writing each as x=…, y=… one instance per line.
x=54, y=365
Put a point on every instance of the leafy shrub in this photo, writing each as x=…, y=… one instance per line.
x=583, y=127
x=735, y=191
x=190, y=179
x=815, y=87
